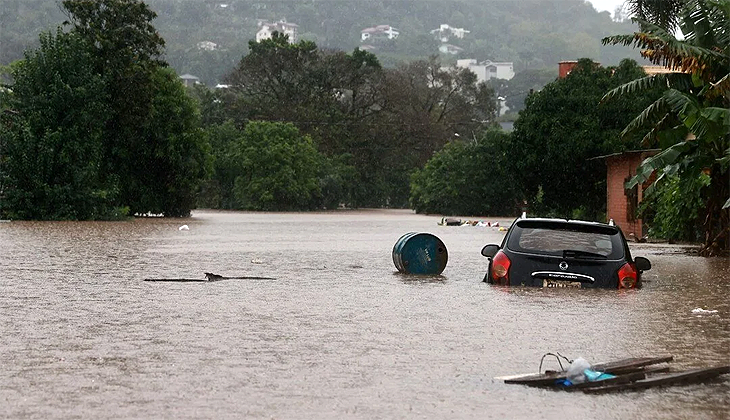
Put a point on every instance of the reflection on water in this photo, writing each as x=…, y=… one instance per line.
x=339, y=333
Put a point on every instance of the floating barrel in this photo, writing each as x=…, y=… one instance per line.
x=420, y=253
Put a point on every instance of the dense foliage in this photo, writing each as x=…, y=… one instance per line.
x=52, y=143
x=376, y=124
x=98, y=127
x=268, y=166
x=276, y=168
x=673, y=210
x=562, y=128
x=467, y=178
x=691, y=120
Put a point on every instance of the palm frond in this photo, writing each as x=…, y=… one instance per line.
x=681, y=103
x=720, y=116
x=637, y=85
x=662, y=48
x=705, y=22
x=659, y=161
x=720, y=88
x=654, y=112
x=721, y=18
x=664, y=130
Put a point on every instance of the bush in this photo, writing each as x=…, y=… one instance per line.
x=672, y=211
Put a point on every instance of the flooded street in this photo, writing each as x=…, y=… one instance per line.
x=338, y=334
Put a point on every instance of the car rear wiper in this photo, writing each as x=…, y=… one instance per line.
x=574, y=253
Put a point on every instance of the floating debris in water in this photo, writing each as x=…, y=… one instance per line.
x=704, y=311
x=183, y=227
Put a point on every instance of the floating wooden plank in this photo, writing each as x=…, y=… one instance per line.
x=617, y=367
x=685, y=377
x=619, y=379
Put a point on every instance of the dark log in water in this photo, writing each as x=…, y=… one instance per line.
x=212, y=277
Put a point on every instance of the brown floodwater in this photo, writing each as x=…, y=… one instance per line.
x=338, y=333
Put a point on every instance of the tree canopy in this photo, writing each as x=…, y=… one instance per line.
x=561, y=128
x=467, y=177
x=99, y=127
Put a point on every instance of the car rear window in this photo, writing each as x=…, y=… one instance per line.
x=566, y=239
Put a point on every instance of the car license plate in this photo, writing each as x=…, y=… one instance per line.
x=560, y=283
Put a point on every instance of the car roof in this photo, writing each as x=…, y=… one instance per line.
x=564, y=222
x=548, y=219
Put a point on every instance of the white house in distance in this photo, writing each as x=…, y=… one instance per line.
x=450, y=49
x=488, y=69
x=189, y=80
x=445, y=32
x=266, y=29
x=379, y=32
x=207, y=45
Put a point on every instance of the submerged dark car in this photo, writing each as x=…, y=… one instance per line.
x=564, y=253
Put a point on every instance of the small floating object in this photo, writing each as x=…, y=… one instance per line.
x=449, y=221
x=704, y=311
x=256, y=261
x=420, y=253
x=183, y=227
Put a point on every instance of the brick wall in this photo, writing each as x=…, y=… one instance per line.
x=621, y=204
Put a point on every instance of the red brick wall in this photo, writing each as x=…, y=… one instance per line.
x=564, y=67
x=620, y=168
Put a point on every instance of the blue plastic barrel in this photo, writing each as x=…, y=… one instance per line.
x=420, y=253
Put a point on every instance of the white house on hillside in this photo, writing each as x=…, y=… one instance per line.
x=189, y=80
x=207, y=45
x=487, y=69
x=266, y=29
x=450, y=49
x=445, y=32
x=379, y=32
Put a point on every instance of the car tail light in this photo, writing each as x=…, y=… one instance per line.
x=500, y=268
x=627, y=276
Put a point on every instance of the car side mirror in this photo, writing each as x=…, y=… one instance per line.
x=491, y=250
x=642, y=264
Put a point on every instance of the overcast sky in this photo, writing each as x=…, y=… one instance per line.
x=608, y=5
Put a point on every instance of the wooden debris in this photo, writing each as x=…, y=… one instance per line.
x=630, y=365
x=629, y=374
x=684, y=377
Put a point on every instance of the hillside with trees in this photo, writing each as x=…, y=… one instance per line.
x=535, y=34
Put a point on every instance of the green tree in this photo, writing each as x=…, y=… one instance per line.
x=467, y=178
x=516, y=90
x=277, y=168
x=561, y=128
x=176, y=154
x=127, y=51
x=100, y=125
x=51, y=144
x=691, y=120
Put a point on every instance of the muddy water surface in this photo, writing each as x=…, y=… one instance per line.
x=338, y=334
